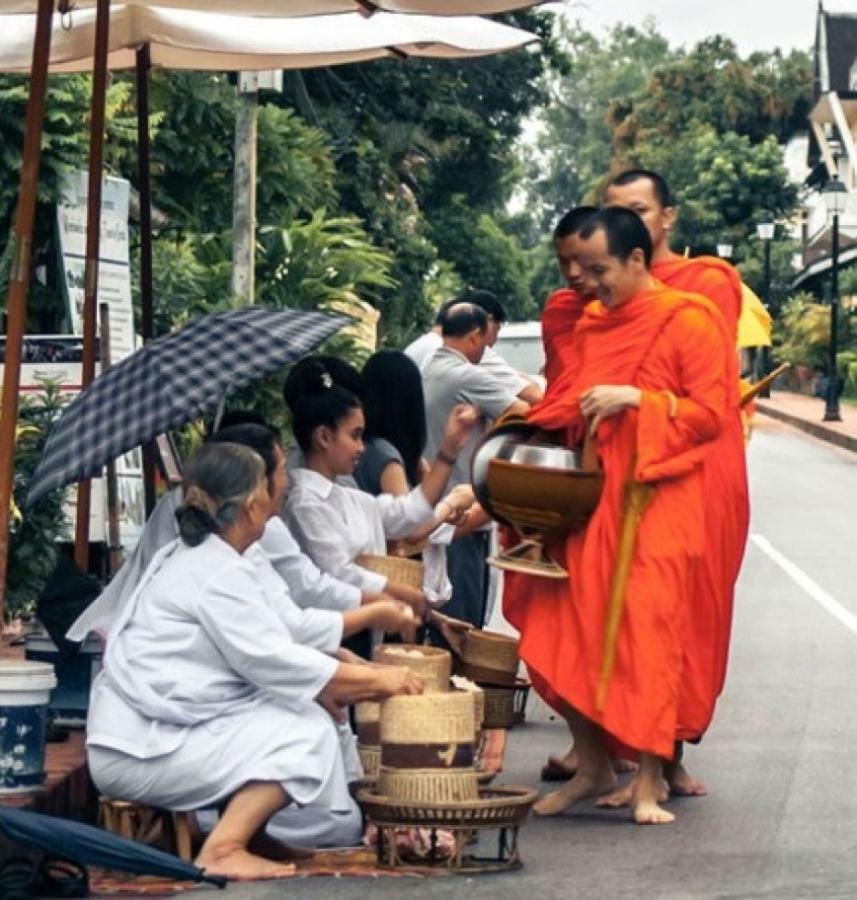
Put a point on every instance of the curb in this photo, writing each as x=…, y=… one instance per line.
x=816, y=429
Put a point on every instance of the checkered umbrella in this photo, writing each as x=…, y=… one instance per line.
x=170, y=381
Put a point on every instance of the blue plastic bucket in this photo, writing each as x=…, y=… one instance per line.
x=70, y=701
x=25, y=689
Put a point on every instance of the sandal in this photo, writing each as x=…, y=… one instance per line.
x=62, y=878
x=18, y=879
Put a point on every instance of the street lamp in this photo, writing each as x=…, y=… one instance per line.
x=835, y=196
x=765, y=230
x=724, y=250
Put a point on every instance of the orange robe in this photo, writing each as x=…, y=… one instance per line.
x=560, y=314
x=660, y=340
x=727, y=510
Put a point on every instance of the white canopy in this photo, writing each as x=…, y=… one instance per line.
x=185, y=39
x=312, y=7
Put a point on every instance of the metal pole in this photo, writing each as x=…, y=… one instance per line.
x=244, y=199
x=93, y=235
x=114, y=539
x=19, y=279
x=831, y=408
x=144, y=64
x=766, y=351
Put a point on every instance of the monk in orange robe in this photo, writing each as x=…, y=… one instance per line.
x=725, y=475
x=564, y=307
x=648, y=379
x=560, y=315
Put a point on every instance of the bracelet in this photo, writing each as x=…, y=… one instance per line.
x=446, y=458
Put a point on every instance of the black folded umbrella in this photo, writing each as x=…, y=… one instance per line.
x=91, y=846
x=170, y=381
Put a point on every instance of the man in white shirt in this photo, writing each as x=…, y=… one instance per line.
x=452, y=376
x=423, y=348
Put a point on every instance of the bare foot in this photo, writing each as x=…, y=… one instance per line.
x=683, y=785
x=645, y=795
x=622, y=797
x=239, y=864
x=583, y=786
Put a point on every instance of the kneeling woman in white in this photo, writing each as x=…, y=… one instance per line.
x=204, y=695
x=333, y=524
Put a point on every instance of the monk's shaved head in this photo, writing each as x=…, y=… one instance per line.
x=659, y=186
x=624, y=230
x=573, y=221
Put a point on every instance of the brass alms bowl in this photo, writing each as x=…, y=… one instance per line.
x=543, y=490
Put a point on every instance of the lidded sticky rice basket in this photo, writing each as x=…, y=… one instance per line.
x=368, y=717
x=432, y=664
x=489, y=657
x=460, y=683
x=427, y=748
x=395, y=568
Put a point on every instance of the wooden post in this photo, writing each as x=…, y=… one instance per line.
x=146, y=297
x=93, y=235
x=114, y=539
x=19, y=279
x=244, y=199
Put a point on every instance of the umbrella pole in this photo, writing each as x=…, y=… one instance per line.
x=19, y=279
x=93, y=235
x=144, y=64
x=114, y=538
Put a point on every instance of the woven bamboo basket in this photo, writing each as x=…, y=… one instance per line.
x=490, y=658
x=427, y=748
x=460, y=683
x=368, y=716
x=395, y=568
x=499, y=706
x=432, y=664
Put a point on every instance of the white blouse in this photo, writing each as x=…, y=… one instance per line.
x=204, y=636
x=335, y=524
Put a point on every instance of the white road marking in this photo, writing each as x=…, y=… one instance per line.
x=800, y=578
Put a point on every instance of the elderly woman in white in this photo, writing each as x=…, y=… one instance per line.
x=333, y=524
x=205, y=695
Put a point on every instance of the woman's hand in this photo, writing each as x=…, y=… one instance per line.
x=460, y=497
x=414, y=598
x=395, y=618
x=395, y=680
x=606, y=400
x=459, y=426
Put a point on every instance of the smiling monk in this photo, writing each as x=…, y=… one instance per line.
x=648, y=378
x=728, y=511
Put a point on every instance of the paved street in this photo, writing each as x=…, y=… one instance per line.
x=780, y=820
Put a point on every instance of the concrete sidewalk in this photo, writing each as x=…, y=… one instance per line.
x=806, y=413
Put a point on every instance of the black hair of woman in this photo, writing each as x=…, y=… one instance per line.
x=316, y=400
x=394, y=407
x=341, y=373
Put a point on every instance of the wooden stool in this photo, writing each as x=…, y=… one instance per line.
x=175, y=831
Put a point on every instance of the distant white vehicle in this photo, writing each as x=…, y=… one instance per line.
x=520, y=344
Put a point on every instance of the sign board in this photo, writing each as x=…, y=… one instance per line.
x=114, y=288
x=114, y=263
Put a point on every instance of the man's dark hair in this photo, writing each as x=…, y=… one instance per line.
x=484, y=300
x=624, y=229
x=462, y=318
x=573, y=221
x=659, y=184
x=261, y=438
